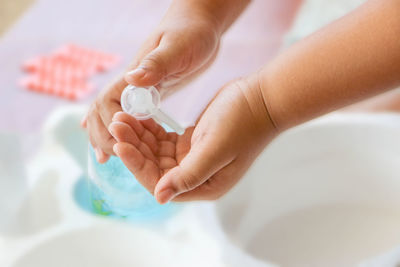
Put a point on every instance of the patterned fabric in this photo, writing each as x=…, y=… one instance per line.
x=65, y=72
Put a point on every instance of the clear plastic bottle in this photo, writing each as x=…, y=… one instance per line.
x=114, y=189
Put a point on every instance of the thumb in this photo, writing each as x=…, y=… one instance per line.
x=195, y=169
x=155, y=66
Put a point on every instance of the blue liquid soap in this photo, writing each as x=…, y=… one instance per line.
x=114, y=189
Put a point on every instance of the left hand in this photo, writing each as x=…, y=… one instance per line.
x=181, y=48
x=207, y=160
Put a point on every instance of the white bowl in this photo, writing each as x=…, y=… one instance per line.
x=324, y=194
x=100, y=246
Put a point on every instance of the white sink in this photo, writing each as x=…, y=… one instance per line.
x=324, y=194
x=99, y=246
x=48, y=227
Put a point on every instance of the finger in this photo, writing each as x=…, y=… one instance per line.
x=148, y=45
x=83, y=122
x=166, y=163
x=166, y=149
x=101, y=157
x=197, y=166
x=173, y=83
x=124, y=133
x=156, y=129
x=182, y=147
x=130, y=120
x=144, y=170
x=100, y=117
x=156, y=65
x=100, y=136
x=144, y=135
x=215, y=187
x=110, y=102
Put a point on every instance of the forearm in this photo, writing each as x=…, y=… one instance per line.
x=350, y=60
x=221, y=13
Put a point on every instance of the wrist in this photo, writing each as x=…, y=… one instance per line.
x=192, y=16
x=263, y=121
x=217, y=13
x=273, y=93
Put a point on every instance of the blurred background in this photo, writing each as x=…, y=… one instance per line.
x=31, y=28
x=312, y=199
x=34, y=28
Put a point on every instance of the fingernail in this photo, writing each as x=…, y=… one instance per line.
x=110, y=129
x=83, y=121
x=114, y=118
x=98, y=153
x=115, y=148
x=165, y=196
x=138, y=72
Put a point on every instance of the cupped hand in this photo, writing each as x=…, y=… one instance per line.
x=207, y=160
x=179, y=50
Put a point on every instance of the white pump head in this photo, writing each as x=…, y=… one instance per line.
x=144, y=103
x=140, y=102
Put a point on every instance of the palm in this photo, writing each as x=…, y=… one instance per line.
x=147, y=149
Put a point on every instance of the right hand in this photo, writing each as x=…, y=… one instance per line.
x=181, y=47
x=208, y=159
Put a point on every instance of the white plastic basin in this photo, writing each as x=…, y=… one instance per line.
x=324, y=194
x=96, y=246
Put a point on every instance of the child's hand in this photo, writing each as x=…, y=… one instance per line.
x=208, y=159
x=180, y=49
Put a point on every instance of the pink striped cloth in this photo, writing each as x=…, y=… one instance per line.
x=65, y=72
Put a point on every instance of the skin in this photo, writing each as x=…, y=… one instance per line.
x=207, y=160
x=352, y=59
x=184, y=45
